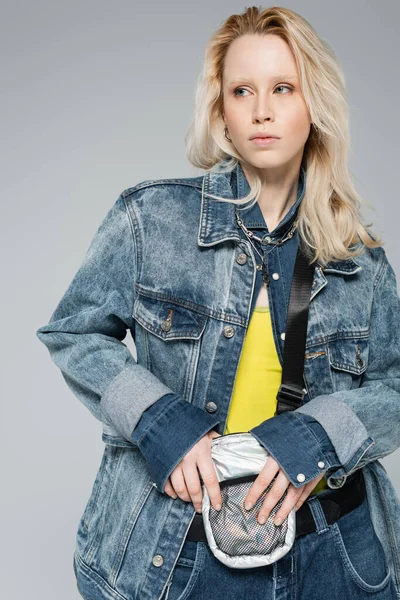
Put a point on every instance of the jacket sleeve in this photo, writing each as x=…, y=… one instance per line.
x=299, y=444
x=85, y=332
x=362, y=424
x=162, y=449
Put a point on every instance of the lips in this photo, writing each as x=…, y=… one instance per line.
x=264, y=141
x=262, y=134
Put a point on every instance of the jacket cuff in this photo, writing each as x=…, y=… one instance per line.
x=347, y=433
x=130, y=393
x=299, y=444
x=166, y=431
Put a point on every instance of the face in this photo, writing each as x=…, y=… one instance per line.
x=261, y=93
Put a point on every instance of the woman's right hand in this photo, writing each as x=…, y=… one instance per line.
x=184, y=480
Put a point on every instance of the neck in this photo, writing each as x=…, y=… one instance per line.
x=279, y=190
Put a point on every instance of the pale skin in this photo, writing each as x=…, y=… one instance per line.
x=257, y=98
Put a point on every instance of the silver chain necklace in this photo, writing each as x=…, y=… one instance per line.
x=250, y=235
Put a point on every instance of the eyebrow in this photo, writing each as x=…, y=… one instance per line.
x=276, y=78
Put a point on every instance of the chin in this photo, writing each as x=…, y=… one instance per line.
x=265, y=162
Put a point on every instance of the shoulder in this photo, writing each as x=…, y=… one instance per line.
x=156, y=204
x=172, y=188
x=374, y=262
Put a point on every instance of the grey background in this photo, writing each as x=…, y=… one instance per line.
x=97, y=96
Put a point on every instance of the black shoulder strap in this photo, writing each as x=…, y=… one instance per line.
x=291, y=391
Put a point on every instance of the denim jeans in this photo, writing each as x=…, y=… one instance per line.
x=341, y=561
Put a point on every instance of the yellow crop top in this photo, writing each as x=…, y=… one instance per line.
x=258, y=379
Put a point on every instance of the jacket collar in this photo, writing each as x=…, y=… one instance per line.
x=218, y=222
x=253, y=217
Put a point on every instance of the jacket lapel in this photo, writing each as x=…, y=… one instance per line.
x=218, y=224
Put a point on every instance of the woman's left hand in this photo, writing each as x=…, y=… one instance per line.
x=295, y=496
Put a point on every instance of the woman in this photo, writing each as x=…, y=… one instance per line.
x=200, y=270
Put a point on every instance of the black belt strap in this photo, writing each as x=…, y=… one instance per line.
x=291, y=391
x=334, y=503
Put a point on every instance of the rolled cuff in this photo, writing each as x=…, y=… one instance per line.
x=167, y=431
x=298, y=444
x=129, y=394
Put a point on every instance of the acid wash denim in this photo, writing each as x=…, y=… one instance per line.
x=152, y=433
x=171, y=265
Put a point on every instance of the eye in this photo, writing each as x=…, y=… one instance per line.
x=239, y=89
x=284, y=86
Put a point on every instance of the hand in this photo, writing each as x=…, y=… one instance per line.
x=184, y=479
x=295, y=496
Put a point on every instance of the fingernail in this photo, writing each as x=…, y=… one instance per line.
x=218, y=506
x=248, y=505
x=174, y=496
x=278, y=521
x=262, y=519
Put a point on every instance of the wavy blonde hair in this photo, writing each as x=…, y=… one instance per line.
x=329, y=217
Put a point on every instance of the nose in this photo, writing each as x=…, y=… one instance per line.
x=262, y=115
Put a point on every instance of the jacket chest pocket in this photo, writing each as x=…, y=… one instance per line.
x=168, y=339
x=348, y=359
x=167, y=320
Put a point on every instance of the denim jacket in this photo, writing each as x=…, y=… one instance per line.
x=153, y=434
x=171, y=265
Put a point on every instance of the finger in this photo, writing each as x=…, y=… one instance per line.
x=300, y=501
x=266, y=475
x=276, y=492
x=169, y=489
x=307, y=489
x=292, y=497
x=210, y=480
x=179, y=484
x=193, y=485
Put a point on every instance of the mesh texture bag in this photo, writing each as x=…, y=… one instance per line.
x=233, y=534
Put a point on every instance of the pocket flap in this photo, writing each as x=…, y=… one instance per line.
x=349, y=354
x=168, y=320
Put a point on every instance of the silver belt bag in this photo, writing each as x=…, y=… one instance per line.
x=233, y=534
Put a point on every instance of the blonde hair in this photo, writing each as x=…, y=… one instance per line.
x=329, y=217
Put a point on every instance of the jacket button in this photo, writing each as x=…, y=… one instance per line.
x=283, y=336
x=301, y=477
x=211, y=407
x=321, y=464
x=314, y=283
x=166, y=325
x=266, y=239
x=157, y=560
x=275, y=275
x=241, y=258
x=229, y=331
